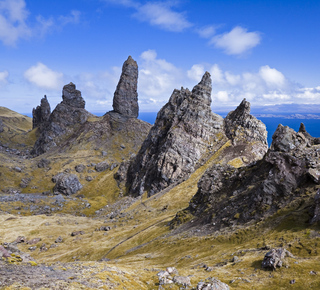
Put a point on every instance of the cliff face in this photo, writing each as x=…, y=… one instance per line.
x=228, y=196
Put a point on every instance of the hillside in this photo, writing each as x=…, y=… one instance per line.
x=109, y=202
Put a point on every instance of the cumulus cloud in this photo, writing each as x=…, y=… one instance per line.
x=162, y=15
x=15, y=22
x=43, y=77
x=3, y=77
x=271, y=76
x=157, y=77
x=237, y=41
x=13, y=15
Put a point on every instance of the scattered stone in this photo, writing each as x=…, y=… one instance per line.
x=32, y=248
x=89, y=178
x=113, y=166
x=213, y=284
x=80, y=168
x=182, y=281
x=76, y=233
x=102, y=166
x=292, y=281
x=235, y=259
x=43, y=248
x=20, y=239
x=172, y=271
x=25, y=182
x=33, y=241
x=17, y=169
x=313, y=273
x=58, y=240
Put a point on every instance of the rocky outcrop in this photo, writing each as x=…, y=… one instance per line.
x=125, y=100
x=1, y=126
x=275, y=258
x=66, y=184
x=184, y=132
x=225, y=193
x=66, y=118
x=41, y=114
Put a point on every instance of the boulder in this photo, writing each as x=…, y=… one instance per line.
x=102, y=166
x=67, y=184
x=72, y=97
x=275, y=258
x=125, y=100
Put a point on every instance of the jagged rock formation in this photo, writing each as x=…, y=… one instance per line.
x=1, y=126
x=241, y=127
x=66, y=118
x=231, y=196
x=184, y=131
x=125, y=100
x=41, y=114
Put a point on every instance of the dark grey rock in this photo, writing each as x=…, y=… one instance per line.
x=125, y=100
x=72, y=97
x=43, y=163
x=80, y=168
x=275, y=258
x=102, y=166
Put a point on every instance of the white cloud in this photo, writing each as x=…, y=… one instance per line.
x=237, y=41
x=73, y=18
x=162, y=15
x=157, y=77
x=221, y=96
x=43, y=77
x=196, y=72
x=207, y=31
x=13, y=15
x=3, y=77
x=216, y=75
x=271, y=76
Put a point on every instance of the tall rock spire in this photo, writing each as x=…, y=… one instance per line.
x=41, y=114
x=125, y=100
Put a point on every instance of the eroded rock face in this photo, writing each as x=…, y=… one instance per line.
x=66, y=118
x=185, y=129
x=289, y=167
x=125, y=100
x=41, y=114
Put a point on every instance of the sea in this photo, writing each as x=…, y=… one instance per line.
x=312, y=125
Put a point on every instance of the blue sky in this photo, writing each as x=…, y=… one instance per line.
x=265, y=51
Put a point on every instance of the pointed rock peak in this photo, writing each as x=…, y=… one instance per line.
x=302, y=128
x=125, y=100
x=202, y=91
x=130, y=61
x=41, y=113
x=244, y=107
x=72, y=97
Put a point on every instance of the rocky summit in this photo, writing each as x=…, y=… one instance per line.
x=195, y=201
x=125, y=100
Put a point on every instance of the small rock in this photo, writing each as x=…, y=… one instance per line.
x=102, y=166
x=292, y=281
x=76, y=233
x=89, y=178
x=20, y=239
x=80, y=168
x=58, y=240
x=33, y=241
x=181, y=280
